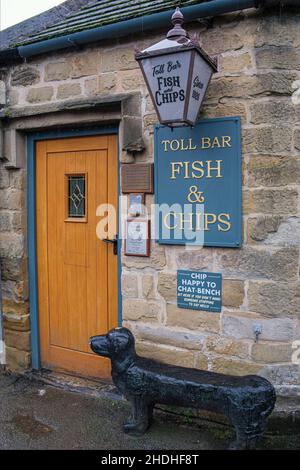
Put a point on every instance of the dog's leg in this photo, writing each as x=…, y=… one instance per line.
x=139, y=420
x=248, y=432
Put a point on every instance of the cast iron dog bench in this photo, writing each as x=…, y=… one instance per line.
x=247, y=401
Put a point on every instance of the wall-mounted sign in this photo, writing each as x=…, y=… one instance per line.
x=199, y=291
x=177, y=73
x=198, y=183
x=137, y=237
x=137, y=178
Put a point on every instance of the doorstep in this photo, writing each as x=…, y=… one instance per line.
x=90, y=387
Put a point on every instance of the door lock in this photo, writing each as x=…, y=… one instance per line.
x=113, y=242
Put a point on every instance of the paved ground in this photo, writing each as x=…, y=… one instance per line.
x=38, y=416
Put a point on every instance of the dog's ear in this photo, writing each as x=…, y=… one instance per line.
x=120, y=342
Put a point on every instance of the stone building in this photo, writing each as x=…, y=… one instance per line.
x=70, y=86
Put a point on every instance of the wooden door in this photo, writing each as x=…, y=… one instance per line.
x=77, y=272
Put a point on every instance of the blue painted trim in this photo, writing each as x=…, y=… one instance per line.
x=135, y=25
x=31, y=199
x=238, y=242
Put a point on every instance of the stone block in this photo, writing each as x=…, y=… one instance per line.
x=16, y=322
x=11, y=245
x=235, y=63
x=13, y=97
x=266, y=140
x=68, y=90
x=267, y=170
x=148, y=286
x=192, y=320
x=2, y=94
x=57, y=71
x=24, y=75
x=230, y=108
x=168, y=336
x=270, y=352
x=167, y=286
x=40, y=95
x=278, y=57
x=228, y=347
x=141, y=310
x=258, y=262
x=272, y=112
x=286, y=27
x=234, y=367
x=118, y=59
x=247, y=86
x=129, y=285
x=194, y=258
x=85, y=64
x=166, y=355
x=4, y=180
x=297, y=138
x=271, y=201
x=132, y=132
x=17, y=359
x=17, y=339
x=260, y=227
x=12, y=268
x=217, y=40
x=274, y=298
x=275, y=231
x=130, y=80
x=11, y=200
x=240, y=326
x=233, y=293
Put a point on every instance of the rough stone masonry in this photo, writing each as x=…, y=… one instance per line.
x=259, y=80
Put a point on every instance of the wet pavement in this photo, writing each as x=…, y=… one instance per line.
x=35, y=415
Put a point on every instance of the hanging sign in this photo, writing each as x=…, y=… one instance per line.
x=199, y=290
x=198, y=184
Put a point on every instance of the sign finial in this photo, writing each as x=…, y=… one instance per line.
x=177, y=21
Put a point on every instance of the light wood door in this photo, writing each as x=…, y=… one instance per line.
x=77, y=272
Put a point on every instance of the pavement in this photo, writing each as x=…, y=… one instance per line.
x=38, y=413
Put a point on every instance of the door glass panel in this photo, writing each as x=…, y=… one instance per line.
x=76, y=196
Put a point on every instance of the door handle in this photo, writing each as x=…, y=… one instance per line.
x=112, y=242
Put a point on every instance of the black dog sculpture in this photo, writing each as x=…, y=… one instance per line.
x=246, y=401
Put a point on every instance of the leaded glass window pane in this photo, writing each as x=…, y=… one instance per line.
x=76, y=196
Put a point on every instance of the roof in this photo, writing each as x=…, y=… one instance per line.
x=103, y=12
x=32, y=26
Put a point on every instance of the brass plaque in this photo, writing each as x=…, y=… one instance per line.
x=137, y=178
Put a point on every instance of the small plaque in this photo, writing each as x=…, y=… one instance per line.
x=136, y=204
x=137, y=237
x=137, y=178
x=199, y=291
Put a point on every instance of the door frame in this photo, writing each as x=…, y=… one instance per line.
x=32, y=138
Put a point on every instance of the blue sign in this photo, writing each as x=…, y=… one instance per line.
x=199, y=290
x=198, y=183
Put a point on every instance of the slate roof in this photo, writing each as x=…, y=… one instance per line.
x=32, y=26
x=104, y=12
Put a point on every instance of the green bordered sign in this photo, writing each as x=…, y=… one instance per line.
x=199, y=290
x=198, y=184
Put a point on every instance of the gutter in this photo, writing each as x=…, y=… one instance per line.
x=136, y=25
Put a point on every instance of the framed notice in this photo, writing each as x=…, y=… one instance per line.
x=137, y=237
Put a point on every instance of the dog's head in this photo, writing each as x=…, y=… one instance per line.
x=116, y=344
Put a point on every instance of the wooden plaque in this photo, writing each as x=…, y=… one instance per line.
x=137, y=178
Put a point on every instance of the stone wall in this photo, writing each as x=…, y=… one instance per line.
x=259, y=80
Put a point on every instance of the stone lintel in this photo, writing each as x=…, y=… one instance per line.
x=105, y=109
